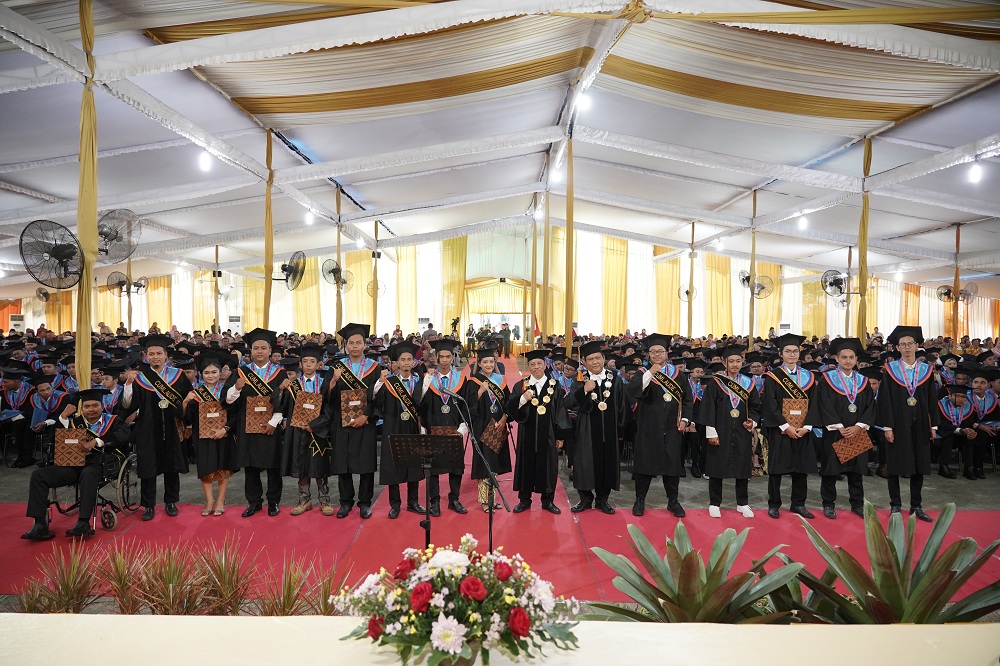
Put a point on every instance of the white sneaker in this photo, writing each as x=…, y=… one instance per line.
x=714, y=512
x=745, y=510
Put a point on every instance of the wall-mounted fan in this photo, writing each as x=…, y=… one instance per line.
x=686, y=293
x=968, y=292
x=293, y=270
x=762, y=287
x=51, y=254
x=42, y=294
x=745, y=279
x=834, y=283
x=118, y=283
x=139, y=286
x=339, y=278
x=118, y=234
x=945, y=293
x=380, y=287
x=840, y=302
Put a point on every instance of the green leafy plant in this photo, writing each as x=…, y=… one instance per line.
x=231, y=575
x=331, y=581
x=173, y=582
x=70, y=582
x=902, y=584
x=681, y=587
x=123, y=570
x=286, y=594
x=34, y=597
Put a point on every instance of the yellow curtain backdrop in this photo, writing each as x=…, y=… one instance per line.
x=453, y=252
x=911, y=305
x=496, y=298
x=158, y=303
x=668, y=281
x=357, y=302
x=768, y=310
x=557, y=280
x=107, y=307
x=814, y=303
x=963, y=319
x=202, y=301
x=406, y=288
x=306, y=300
x=615, y=285
x=253, y=300
x=995, y=330
x=718, y=298
x=59, y=311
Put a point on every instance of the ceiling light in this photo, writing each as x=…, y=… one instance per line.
x=583, y=102
x=975, y=172
x=205, y=161
x=539, y=215
x=360, y=242
x=555, y=177
x=899, y=276
x=803, y=222
x=310, y=218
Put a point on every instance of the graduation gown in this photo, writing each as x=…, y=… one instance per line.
x=155, y=439
x=568, y=386
x=733, y=457
x=536, y=467
x=389, y=408
x=355, y=450
x=18, y=401
x=486, y=411
x=433, y=400
x=910, y=451
x=305, y=454
x=42, y=410
x=257, y=449
x=213, y=455
x=595, y=456
x=832, y=407
x=111, y=429
x=659, y=446
x=784, y=454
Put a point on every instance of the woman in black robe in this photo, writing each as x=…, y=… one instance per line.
x=215, y=451
x=488, y=410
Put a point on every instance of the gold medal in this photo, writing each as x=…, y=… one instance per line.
x=546, y=399
x=602, y=406
x=607, y=394
x=163, y=404
x=666, y=397
x=445, y=409
x=534, y=402
x=911, y=401
x=593, y=396
x=551, y=390
x=541, y=410
x=405, y=416
x=735, y=413
x=852, y=408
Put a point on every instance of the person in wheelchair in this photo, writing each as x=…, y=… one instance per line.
x=107, y=433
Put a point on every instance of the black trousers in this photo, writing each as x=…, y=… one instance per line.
x=24, y=438
x=86, y=479
x=799, y=489
x=670, y=485
x=855, y=491
x=454, y=487
x=974, y=451
x=171, y=489
x=916, y=487
x=366, y=489
x=412, y=493
x=525, y=496
x=693, y=444
x=254, y=489
x=715, y=491
x=602, y=495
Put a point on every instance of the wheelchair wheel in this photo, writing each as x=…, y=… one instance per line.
x=108, y=518
x=128, y=486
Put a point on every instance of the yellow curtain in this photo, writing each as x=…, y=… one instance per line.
x=357, y=302
x=306, y=300
x=453, y=252
x=911, y=305
x=615, y=285
x=108, y=308
x=59, y=311
x=668, y=281
x=158, y=302
x=814, y=303
x=557, y=280
x=496, y=299
x=995, y=325
x=202, y=301
x=861, y=328
x=718, y=297
x=253, y=301
x=963, y=319
x=406, y=288
x=768, y=310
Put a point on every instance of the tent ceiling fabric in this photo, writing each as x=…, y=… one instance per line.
x=439, y=119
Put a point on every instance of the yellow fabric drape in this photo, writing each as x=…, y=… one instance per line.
x=59, y=312
x=159, y=298
x=718, y=298
x=306, y=300
x=995, y=329
x=108, y=308
x=453, y=252
x=861, y=330
x=253, y=300
x=86, y=205
x=496, y=298
x=406, y=288
x=268, y=235
x=557, y=281
x=420, y=91
x=357, y=302
x=615, y=285
x=570, y=281
x=894, y=16
x=768, y=310
x=202, y=301
x=963, y=319
x=814, y=304
x=668, y=281
x=910, y=315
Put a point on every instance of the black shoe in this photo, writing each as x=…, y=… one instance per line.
x=921, y=515
x=148, y=513
x=252, y=509
x=551, y=508
x=683, y=473
x=980, y=474
x=946, y=472
x=415, y=507
x=802, y=511
x=858, y=511
x=81, y=529
x=344, y=510
x=773, y=513
x=435, y=509
x=394, y=512
x=457, y=507
x=829, y=512
x=366, y=512
x=695, y=473
x=522, y=506
x=893, y=508
x=881, y=472
x=676, y=509
x=969, y=474
x=638, y=508
x=38, y=532
x=172, y=509
x=605, y=507
x=273, y=509
x=580, y=506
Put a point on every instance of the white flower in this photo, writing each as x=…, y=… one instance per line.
x=393, y=628
x=542, y=592
x=458, y=562
x=437, y=600
x=469, y=543
x=447, y=635
x=369, y=587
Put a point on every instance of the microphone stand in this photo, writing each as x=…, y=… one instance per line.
x=477, y=447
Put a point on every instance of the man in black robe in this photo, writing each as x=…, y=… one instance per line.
x=437, y=408
x=730, y=410
x=155, y=393
x=987, y=408
x=107, y=433
x=662, y=399
x=600, y=404
x=845, y=405
x=908, y=410
x=16, y=404
x=694, y=435
x=537, y=403
x=259, y=452
x=306, y=453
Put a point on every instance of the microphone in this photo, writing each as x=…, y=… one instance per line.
x=451, y=394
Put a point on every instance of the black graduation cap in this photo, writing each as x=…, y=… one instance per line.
x=812, y=365
x=633, y=359
x=374, y=355
x=572, y=363
x=354, y=329
x=955, y=389
x=486, y=351
x=715, y=367
x=947, y=357
x=692, y=363
x=115, y=366
x=311, y=351
x=444, y=344
x=188, y=347
x=12, y=346
x=654, y=339
x=400, y=348
x=268, y=336
x=914, y=332
x=592, y=347
x=91, y=394
x=853, y=344
x=872, y=372
x=290, y=362
x=732, y=350
x=534, y=354
x=789, y=340
x=163, y=341
x=982, y=358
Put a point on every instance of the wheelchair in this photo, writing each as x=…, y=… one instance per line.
x=119, y=471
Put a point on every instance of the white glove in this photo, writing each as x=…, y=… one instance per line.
x=463, y=429
x=423, y=430
x=50, y=422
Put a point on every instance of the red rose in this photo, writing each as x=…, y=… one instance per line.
x=376, y=626
x=420, y=598
x=502, y=570
x=403, y=569
x=519, y=622
x=472, y=588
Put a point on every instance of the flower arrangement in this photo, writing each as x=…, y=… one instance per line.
x=449, y=603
